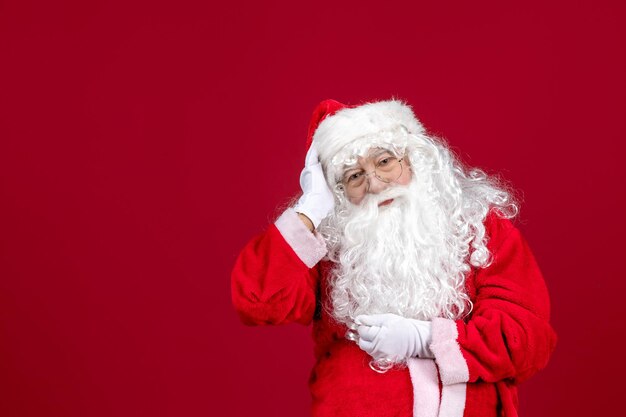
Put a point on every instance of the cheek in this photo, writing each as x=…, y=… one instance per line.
x=356, y=201
x=405, y=178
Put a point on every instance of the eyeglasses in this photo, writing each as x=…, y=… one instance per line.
x=388, y=168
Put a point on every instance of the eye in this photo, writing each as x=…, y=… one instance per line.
x=384, y=161
x=353, y=177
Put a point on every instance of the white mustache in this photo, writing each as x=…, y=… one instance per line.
x=391, y=193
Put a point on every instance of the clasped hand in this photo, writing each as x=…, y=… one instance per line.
x=389, y=336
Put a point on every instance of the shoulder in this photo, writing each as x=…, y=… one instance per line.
x=498, y=229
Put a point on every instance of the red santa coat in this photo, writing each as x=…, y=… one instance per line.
x=280, y=277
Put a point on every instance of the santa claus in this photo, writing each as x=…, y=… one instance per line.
x=425, y=299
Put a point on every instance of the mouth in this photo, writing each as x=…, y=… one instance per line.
x=385, y=203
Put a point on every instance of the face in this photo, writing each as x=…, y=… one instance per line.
x=374, y=173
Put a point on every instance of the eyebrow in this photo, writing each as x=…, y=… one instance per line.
x=349, y=170
x=355, y=167
x=380, y=152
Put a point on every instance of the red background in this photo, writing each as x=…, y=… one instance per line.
x=142, y=144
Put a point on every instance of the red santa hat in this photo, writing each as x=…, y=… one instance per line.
x=336, y=129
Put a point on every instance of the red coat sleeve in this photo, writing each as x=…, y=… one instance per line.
x=275, y=277
x=508, y=335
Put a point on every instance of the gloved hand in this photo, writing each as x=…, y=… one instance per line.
x=389, y=336
x=317, y=200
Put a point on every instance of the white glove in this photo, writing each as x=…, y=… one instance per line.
x=389, y=336
x=317, y=200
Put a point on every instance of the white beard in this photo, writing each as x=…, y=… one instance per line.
x=405, y=258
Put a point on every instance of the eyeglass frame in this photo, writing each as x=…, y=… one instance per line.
x=343, y=186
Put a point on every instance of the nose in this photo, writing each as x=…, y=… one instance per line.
x=375, y=185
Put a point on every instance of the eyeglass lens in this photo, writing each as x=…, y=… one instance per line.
x=388, y=169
